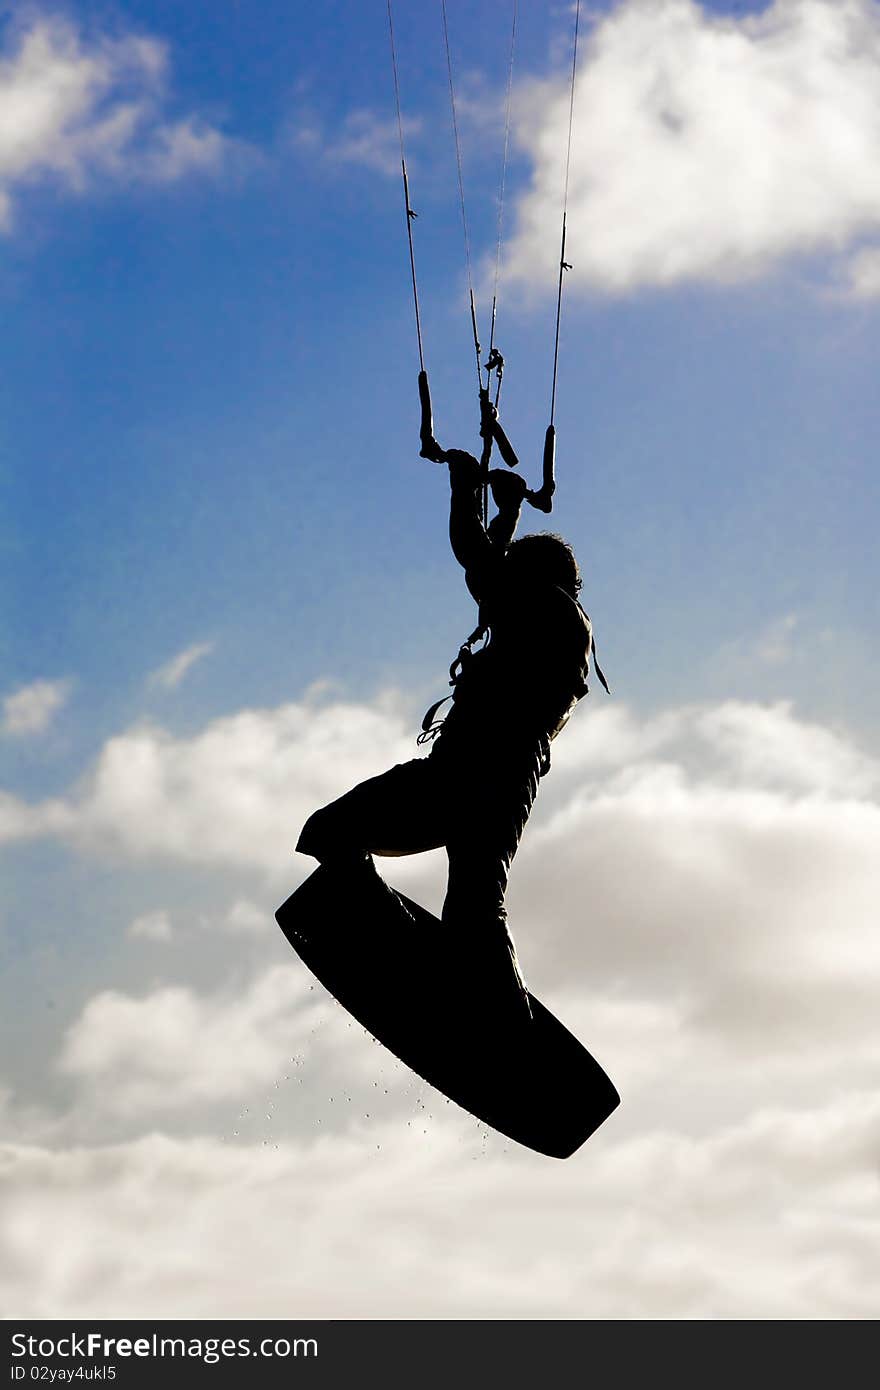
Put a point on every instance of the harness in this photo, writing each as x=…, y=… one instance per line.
x=431, y=725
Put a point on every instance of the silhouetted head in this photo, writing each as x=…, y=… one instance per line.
x=545, y=558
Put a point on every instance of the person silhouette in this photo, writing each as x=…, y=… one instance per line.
x=474, y=792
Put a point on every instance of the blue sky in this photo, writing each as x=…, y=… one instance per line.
x=202, y=382
x=209, y=456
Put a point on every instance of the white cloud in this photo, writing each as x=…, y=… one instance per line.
x=774, y=644
x=771, y=1218
x=753, y=911
x=726, y=854
x=244, y=918
x=239, y=792
x=172, y=1048
x=716, y=844
x=31, y=708
x=370, y=142
x=720, y=859
x=170, y=675
x=766, y=746
x=861, y=274
x=19, y=821
x=705, y=147
x=364, y=139
x=182, y=147
x=236, y=794
x=152, y=926
x=696, y=898
x=74, y=110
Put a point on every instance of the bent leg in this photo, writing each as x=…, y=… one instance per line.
x=486, y=824
x=476, y=921
x=399, y=812
x=481, y=851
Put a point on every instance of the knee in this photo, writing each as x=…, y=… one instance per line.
x=317, y=836
x=328, y=837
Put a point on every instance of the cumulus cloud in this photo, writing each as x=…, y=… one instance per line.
x=363, y=139
x=31, y=708
x=721, y=859
x=770, y=1218
x=861, y=274
x=20, y=821
x=173, y=1048
x=235, y=794
x=244, y=918
x=696, y=898
x=75, y=109
x=726, y=861
x=152, y=926
x=774, y=644
x=767, y=746
x=170, y=675
x=705, y=147
x=239, y=791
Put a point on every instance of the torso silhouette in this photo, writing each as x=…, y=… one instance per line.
x=517, y=692
x=473, y=794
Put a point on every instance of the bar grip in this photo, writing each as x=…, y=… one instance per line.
x=430, y=448
x=505, y=448
x=543, y=498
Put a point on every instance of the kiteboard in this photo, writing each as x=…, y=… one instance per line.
x=384, y=958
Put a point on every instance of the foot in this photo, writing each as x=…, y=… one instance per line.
x=492, y=971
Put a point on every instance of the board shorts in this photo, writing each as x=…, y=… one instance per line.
x=475, y=805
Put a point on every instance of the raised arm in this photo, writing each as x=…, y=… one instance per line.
x=478, y=552
x=471, y=545
x=508, y=491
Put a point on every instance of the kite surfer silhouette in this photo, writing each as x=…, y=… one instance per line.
x=474, y=792
x=447, y=996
